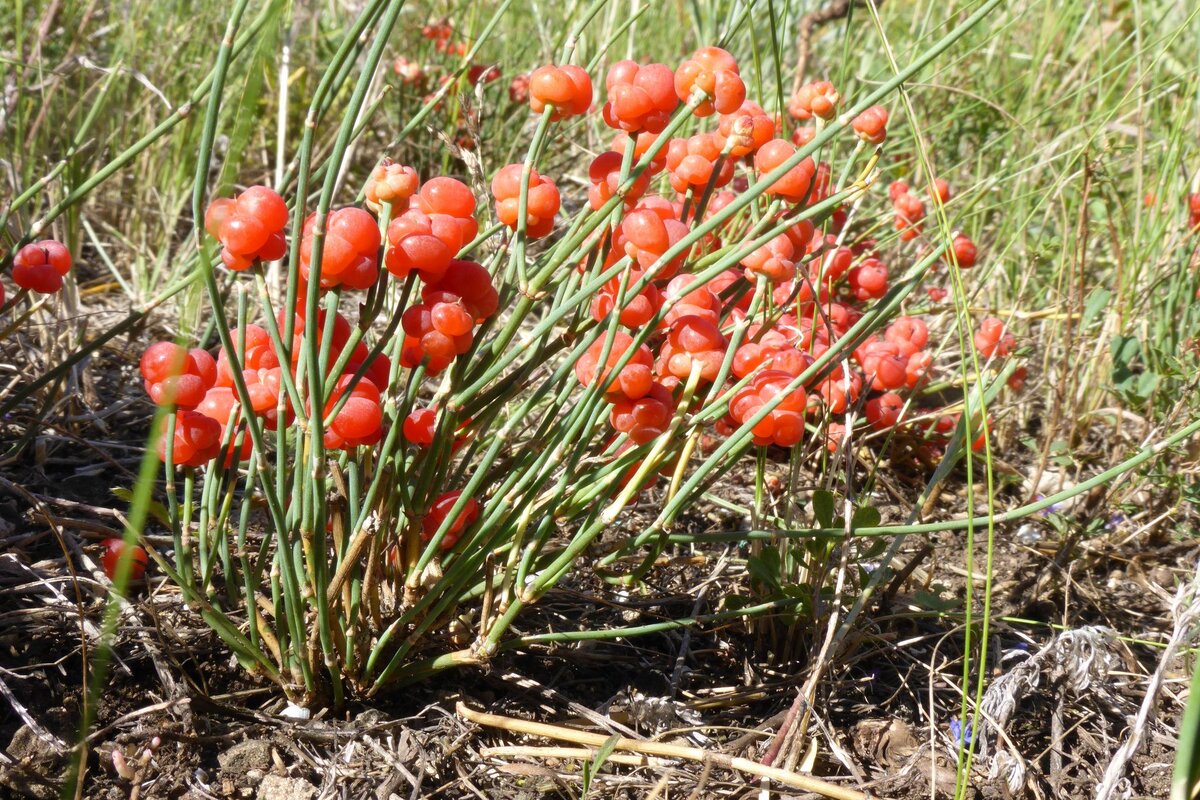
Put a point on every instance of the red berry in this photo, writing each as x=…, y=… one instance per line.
x=993, y=339
x=645, y=235
x=869, y=280
x=909, y=334
x=745, y=130
x=423, y=340
x=686, y=301
x=784, y=425
x=909, y=213
x=420, y=427
x=265, y=205
x=114, y=549
x=897, y=188
x=883, y=363
x=40, y=267
x=441, y=510
x=542, y=200
x=360, y=421
x=693, y=163
x=219, y=403
x=422, y=242
x=634, y=380
x=715, y=72
x=468, y=283
x=883, y=412
x=639, y=97
x=568, y=89
x=645, y=418
x=841, y=388
x=803, y=135
x=446, y=196
x=964, y=252
x=692, y=343
x=638, y=309
x=917, y=371
x=774, y=260
x=518, y=90
x=771, y=350
x=605, y=175
x=819, y=99
x=197, y=439
x=392, y=183
x=641, y=146
x=940, y=191
x=243, y=235
x=871, y=125
x=175, y=376
x=794, y=184
x=349, y=251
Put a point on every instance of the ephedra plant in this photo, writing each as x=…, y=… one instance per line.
x=450, y=402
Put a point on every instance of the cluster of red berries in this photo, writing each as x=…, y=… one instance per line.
x=816, y=284
x=993, y=339
x=440, y=511
x=675, y=337
x=457, y=295
x=910, y=210
x=202, y=392
x=40, y=267
x=566, y=90
x=416, y=74
x=250, y=227
x=441, y=327
x=542, y=200
x=818, y=99
x=349, y=249
x=441, y=33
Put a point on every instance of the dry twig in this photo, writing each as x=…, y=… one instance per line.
x=663, y=750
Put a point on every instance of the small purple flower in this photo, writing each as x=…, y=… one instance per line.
x=960, y=732
x=1051, y=509
x=1115, y=521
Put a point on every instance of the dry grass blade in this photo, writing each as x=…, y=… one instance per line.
x=663, y=750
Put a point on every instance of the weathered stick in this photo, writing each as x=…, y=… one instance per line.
x=663, y=750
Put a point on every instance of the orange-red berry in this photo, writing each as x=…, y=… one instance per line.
x=113, y=550
x=41, y=266
x=714, y=72
x=567, y=89
x=818, y=99
x=871, y=125
x=640, y=97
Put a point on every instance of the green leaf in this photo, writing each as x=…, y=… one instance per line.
x=823, y=507
x=153, y=507
x=1147, y=383
x=589, y=771
x=876, y=548
x=733, y=602
x=764, y=567
x=934, y=602
x=865, y=517
x=1125, y=353
x=1096, y=302
x=1186, y=780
